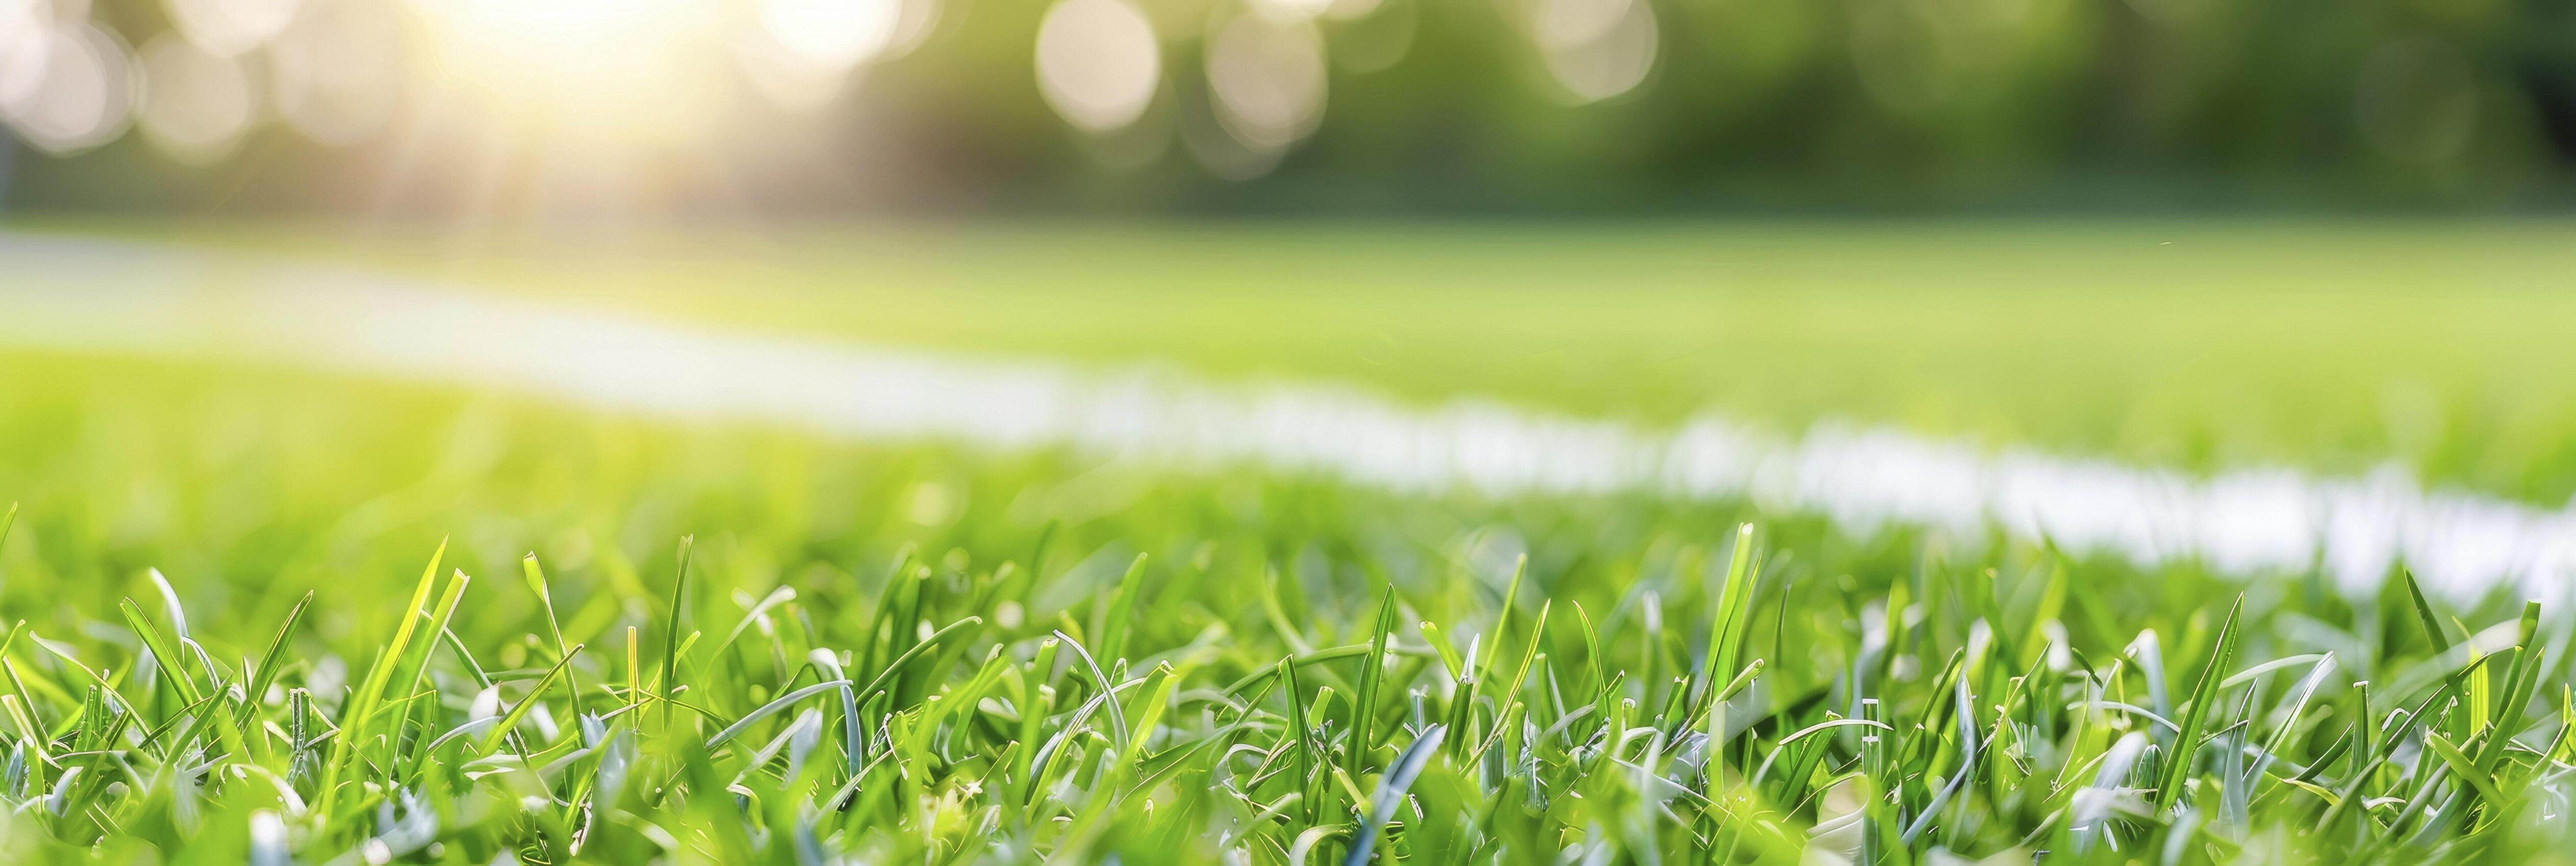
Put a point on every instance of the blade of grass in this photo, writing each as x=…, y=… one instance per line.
x=537, y=583
x=1390, y=791
x=2432, y=624
x=362, y=704
x=270, y=661
x=1364, y=703
x=159, y=646
x=670, y=671
x=2179, y=762
x=766, y=710
x=510, y=721
x=1122, y=610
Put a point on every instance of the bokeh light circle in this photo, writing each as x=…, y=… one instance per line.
x=1098, y=63
x=229, y=27
x=1596, y=49
x=336, y=74
x=1291, y=11
x=832, y=33
x=1268, y=79
x=1560, y=25
x=78, y=97
x=25, y=42
x=784, y=78
x=196, y=104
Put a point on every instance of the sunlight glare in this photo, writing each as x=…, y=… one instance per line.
x=596, y=67
x=336, y=74
x=226, y=28
x=832, y=33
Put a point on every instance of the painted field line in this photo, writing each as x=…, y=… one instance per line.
x=98, y=296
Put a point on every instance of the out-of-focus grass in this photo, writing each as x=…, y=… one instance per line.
x=1295, y=672
x=2335, y=346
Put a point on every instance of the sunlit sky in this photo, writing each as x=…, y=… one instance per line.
x=342, y=71
x=648, y=73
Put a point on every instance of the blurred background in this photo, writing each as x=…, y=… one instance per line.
x=2278, y=284
x=2203, y=235
x=530, y=109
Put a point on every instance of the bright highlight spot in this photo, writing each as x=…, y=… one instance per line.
x=1596, y=49
x=24, y=45
x=1567, y=24
x=336, y=74
x=1351, y=10
x=1098, y=63
x=65, y=89
x=227, y=28
x=1291, y=11
x=784, y=79
x=834, y=33
x=613, y=68
x=196, y=105
x=1268, y=78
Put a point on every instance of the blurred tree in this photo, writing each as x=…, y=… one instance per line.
x=1365, y=105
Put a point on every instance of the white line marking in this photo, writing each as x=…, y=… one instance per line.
x=98, y=296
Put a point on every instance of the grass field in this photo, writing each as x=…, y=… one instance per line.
x=267, y=615
x=2208, y=344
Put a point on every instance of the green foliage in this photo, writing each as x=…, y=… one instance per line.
x=1456, y=106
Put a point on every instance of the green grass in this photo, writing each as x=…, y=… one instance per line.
x=254, y=614
x=2209, y=344
x=731, y=644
